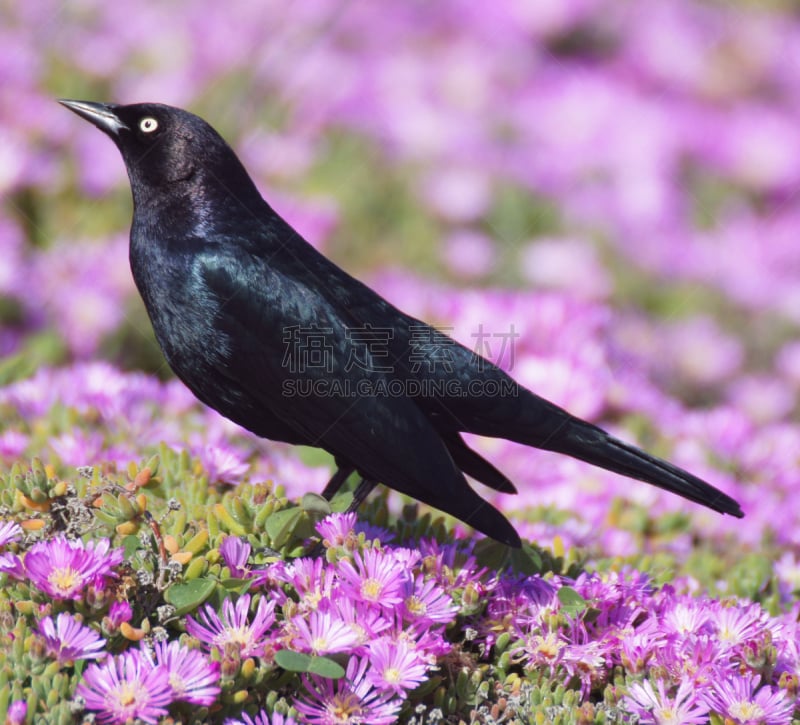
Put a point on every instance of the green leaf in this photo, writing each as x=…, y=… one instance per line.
x=572, y=603
x=492, y=554
x=341, y=502
x=187, y=596
x=527, y=560
x=750, y=575
x=240, y=586
x=130, y=545
x=300, y=662
x=280, y=524
x=316, y=504
x=326, y=667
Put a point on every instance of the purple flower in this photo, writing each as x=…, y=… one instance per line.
x=736, y=625
x=12, y=565
x=78, y=448
x=659, y=708
x=9, y=531
x=542, y=648
x=741, y=700
x=459, y=194
x=262, y=718
x=469, y=254
x=427, y=641
x=12, y=443
x=637, y=649
x=192, y=677
x=698, y=659
x=323, y=633
x=686, y=616
x=118, y=613
x=88, y=275
x=569, y=264
x=222, y=462
x=312, y=579
x=349, y=701
x=62, y=568
x=395, y=666
x=338, y=529
x=366, y=621
x=68, y=639
x=426, y=601
x=126, y=687
x=17, y=712
x=376, y=578
x=234, y=629
x=235, y=553
x=586, y=662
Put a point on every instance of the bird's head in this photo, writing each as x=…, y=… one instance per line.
x=167, y=148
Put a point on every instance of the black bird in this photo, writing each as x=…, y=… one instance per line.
x=276, y=337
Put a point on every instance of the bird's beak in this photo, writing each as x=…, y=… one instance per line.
x=102, y=115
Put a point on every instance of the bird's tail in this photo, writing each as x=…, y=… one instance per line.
x=589, y=443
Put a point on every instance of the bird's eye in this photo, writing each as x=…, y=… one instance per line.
x=148, y=125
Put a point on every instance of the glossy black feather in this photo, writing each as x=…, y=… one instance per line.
x=224, y=278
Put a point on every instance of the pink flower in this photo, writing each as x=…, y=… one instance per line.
x=10, y=531
x=349, y=701
x=234, y=627
x=375, y=577
x=262, y=718
x=235, y=553
x=62, y=568
x=68, y=639
x=124, y=688
x=313, y=579
x=469, y=254
x=395, y=666
x=425, y=601
x=660, y=708
x=118, y=613
x=17, y=712
x=742, y=701
x=192, y=676
x=323, y=633
x=12, y=444
x=222, y=461
x=338, y=529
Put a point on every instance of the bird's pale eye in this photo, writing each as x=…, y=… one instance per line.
x=148, y=124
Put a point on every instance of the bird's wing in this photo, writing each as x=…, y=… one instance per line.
x=330, y=400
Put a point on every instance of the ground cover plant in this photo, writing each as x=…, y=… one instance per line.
x=599, y=195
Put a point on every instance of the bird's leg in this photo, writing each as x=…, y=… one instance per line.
x=337, y=479
x=364, y=489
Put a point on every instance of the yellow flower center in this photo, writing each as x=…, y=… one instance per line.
x=415, y=605
x=548, y=647
x=745, y=710
x=371, y=589
x=176, y=683
x=666, y=716
x=344, y=707
x=391, y=675
x=64, y=579
x=126, y=694
x=238, y=635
